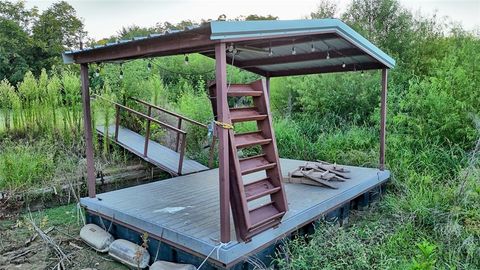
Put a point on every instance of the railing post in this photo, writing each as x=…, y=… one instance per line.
x=147, y=135
x=182, y=153
x=117, y=121
x=212, y=151
x=179, y=126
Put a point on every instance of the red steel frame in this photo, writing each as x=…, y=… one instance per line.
x=221, y=99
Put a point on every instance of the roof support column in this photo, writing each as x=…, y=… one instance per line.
x=383, y=118
x=267, y=80
x=223, y=158
x=87, y=123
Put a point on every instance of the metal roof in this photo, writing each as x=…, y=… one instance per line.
x=269, y=48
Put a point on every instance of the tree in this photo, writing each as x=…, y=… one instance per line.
x=325, y=9
x=16, y=11
x=255, y=17
x=15, y=45
x=57, y=28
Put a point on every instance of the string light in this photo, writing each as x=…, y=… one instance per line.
x=328, y=55
x=362, y=74
x=293, y=50
x=312, y=48
x=343, y=65
x=186, y=59
x=97, y=72
x=270, y=51
x=231, y=47
x=149, y=66
x=121, y=71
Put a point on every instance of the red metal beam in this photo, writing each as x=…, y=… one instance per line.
x=186, y=42
x=383, y=118
x=223, y=160
x=327, y=69
x=285, y=59
x=87, y=123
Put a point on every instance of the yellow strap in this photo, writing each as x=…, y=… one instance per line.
x=224, y=125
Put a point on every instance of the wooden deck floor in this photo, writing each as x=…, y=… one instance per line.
x=159, y=155
x=184, y=210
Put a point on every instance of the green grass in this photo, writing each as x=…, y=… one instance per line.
x=429, y=218
x=25, y=165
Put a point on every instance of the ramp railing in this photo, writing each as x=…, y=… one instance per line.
x=180, y=119
x=181, y=135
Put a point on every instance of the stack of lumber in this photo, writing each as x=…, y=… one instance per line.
x=318, y=173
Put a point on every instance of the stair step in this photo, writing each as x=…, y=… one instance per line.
x=255, y=164
x=245, y=114
x=264, y=214
x=242, y=90
x=250, y=139
x=259, y=189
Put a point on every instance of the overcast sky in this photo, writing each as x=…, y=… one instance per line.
x=104, y=18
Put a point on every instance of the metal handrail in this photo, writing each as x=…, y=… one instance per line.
x=181, y=134
x=170, y=112
x=179, y=125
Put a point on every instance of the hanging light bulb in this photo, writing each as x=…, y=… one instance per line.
x=186, y=59
x=231, y=47
x=121, y=74
x=312, y=49
x=270, y=51
x=149, y=66
x=97, y=72
x=343, y=65
x=293, y=50
x=328, y=55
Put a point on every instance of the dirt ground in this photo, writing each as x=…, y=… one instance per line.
x=19, y=249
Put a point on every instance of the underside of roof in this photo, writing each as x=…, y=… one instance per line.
x=268, y=48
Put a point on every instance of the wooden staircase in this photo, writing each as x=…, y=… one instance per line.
x=250, y=220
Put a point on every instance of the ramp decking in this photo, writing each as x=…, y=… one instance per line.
x=184, y=210
x=159, y=155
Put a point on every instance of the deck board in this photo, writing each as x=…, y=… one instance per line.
x=184, y=210
x=159, y=155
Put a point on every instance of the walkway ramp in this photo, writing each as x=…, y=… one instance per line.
x=158, y=155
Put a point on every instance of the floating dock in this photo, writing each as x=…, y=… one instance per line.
x=181, y=215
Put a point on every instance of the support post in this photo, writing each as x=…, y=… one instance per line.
x=87, y=123
x=117, y=121
x=383, y=119
x=223, y=158
x=267, y=81
x=179, y=126
x=182, y=153
x=147, y=133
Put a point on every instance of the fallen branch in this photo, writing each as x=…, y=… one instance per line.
x=34, y=236
x=50, y=243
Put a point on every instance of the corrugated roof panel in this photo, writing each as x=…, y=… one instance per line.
x=319, y=63
x=241, y=30
x=261, y=30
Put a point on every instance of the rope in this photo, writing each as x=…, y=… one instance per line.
x=217, y=247
x=223, y=125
